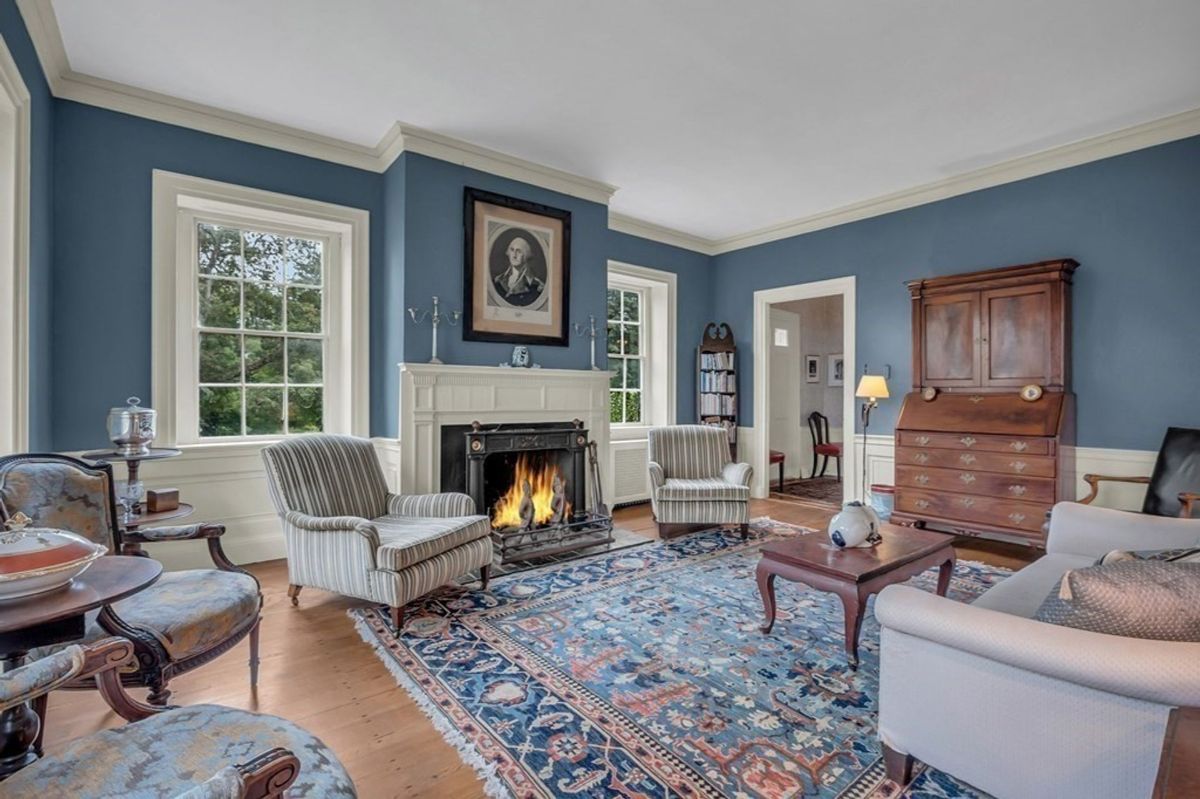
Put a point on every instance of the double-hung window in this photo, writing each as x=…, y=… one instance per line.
x=626, y=354
x=260, y=314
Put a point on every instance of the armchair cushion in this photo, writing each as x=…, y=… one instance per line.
x=181, y=532
x=58, y=494
x=678, y=490
x=171, y=752
x=39, y=676
x=405, y=540
x=689, y=450
x=445, y=504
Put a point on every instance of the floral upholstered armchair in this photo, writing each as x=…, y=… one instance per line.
x=200, y=752
x=182, y=621
x=347, y=533
x=693, y=483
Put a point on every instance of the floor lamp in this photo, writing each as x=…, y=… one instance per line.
x=872, y=388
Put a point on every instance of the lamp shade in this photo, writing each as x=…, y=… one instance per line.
x=872, y=387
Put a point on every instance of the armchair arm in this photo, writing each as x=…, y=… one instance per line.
x=180, y=532
x=268, y=774
x=737, y=473
x=1093, y=480
x=657, y=477
x=1190, y=500
x=1094, y=531
x=319, y=524
x=444, y=505
x=40, y=677
x=1153, y=671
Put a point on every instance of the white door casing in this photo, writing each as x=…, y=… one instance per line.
x=785, y=392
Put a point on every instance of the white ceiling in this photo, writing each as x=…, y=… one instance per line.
x=713, y=117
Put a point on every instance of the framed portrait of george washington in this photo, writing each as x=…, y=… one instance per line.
x=517, y=271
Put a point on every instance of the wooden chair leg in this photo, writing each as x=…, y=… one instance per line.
x=254, y=654
x=898, y=765
x=485, y=574
x=397, y=618
x=813, y=472
x=294, y=594
x=824, y=464
x=745, y=531
x=838, y=465
x=159, y=694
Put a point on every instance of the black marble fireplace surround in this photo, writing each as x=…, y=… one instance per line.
x=480, y=460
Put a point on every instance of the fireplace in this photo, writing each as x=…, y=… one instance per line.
x=532, y=482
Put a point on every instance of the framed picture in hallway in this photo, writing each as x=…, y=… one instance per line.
x=837, y=369
x=812, y=368
x=517, y=270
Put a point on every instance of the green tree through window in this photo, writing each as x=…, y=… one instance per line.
x=260, y=331
x=625, y=359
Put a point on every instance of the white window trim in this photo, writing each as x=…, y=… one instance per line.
x=15, y=117
x=659, y=333
x=178, y=199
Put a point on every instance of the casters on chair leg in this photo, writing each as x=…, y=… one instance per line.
x=485, y=573
x=397, y=618
x=898, y=765
x=294, y=594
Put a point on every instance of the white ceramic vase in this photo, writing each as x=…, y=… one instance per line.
x=856, y=525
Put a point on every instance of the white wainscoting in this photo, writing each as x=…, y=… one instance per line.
x=227, y=483
x=1088, y=460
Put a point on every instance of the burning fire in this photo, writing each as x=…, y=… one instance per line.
x=541, y=477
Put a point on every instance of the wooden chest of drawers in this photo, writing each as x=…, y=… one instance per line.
x=980, y=483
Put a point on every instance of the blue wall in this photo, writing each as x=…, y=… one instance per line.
x=41, y=200
x=1133, y=223
x=103, y=161
x=430, y=261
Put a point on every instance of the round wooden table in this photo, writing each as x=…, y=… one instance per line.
x=57, y=617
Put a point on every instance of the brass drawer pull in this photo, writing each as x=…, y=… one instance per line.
x=921, y=457
x=1018, y=466
x=1019, y=446
x=922, y=479
x=922, y=503
x=1018, y=490
x=967, y=501
x=967, y=457
x=968, y=441
x=922, y=440
x=975, y=398
x=1017, y=518
x=967, y=478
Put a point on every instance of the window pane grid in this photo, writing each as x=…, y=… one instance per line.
x=624, y=329
x=266, y=276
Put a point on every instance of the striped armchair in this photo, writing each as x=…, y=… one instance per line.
x=346, y=533
x=693, y=484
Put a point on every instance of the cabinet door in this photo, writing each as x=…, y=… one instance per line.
x=950, y=340
x=1016, y=335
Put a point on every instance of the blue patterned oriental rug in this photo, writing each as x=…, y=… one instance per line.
x=643, y=673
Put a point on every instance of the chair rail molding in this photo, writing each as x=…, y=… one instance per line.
x=761, y=347
x=432, y=395
x=15, y=133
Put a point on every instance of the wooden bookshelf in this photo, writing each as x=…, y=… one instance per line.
x=716, y=381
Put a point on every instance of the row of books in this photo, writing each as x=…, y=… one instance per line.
x=729, y=425
x=718, y=381
x=722, y=404
x=716, y=360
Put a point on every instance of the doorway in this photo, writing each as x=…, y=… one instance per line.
x=803, y=363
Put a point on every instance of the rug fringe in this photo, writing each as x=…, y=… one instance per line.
x=493, y=786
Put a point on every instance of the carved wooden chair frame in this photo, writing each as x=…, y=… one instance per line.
x=155, y=665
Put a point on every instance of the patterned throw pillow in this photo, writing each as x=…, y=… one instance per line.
x=1131, y=598
x=1186, y=555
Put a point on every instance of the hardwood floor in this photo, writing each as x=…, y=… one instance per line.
x=317, y=672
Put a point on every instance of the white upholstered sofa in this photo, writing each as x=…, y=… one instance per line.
x=1024, y=709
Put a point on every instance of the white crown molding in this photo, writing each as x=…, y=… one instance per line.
x=661, y=234
x=67, y=84
x=1148, y=134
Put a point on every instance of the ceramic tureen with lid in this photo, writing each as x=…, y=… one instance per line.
x=33, y=560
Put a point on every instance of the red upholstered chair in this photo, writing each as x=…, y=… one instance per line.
x=818, y=425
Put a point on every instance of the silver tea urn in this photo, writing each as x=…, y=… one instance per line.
x=132, y=427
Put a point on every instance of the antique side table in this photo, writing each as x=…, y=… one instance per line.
x=57, y=617
x=1179, y=768
x=854, y=574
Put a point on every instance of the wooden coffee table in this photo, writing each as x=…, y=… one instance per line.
x=854, y=574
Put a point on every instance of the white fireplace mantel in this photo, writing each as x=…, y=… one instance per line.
x=432, y=395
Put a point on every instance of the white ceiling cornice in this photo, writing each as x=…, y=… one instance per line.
x=43, y=29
